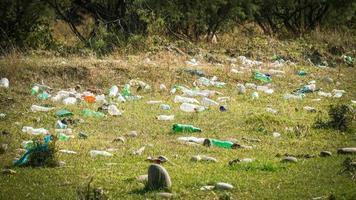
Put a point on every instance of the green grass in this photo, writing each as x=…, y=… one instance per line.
x=266, y=178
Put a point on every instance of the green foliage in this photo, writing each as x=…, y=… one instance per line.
x=43, y=158
x=341, y=117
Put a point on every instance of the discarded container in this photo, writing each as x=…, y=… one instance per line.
x=309, y=88
x=34, y=131
x=69, y=101
x=266, y=78
x=219, y=143
x=293, y=96
x=89, y=99
x=180, y=99
x=301, y=73
x=164, y=107
x=44, y=96
x=90, y=113
x=114, y=111
x=4, y=82
x=222, y=109
x=185, y=128
x=63, y=113
x=254, y=95
x=192, y=139
x=165, y=117
x=63, y=137
x=126, y=91
x=265, y=89
x=114, y=90
x=188, y=107
x=67, y=131
x=120, y=98
x=208, y=102
x=324, y=94
x=162, y=87
x=34, y=90
x=61, y=125
x=36, y=108
x=95, y=153
x=241, y=88
x=100, y=98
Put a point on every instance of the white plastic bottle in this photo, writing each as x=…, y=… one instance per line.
x=95, y=153
x=114, y=111
x=34, y=131
x=4, y=82
x=165, y=117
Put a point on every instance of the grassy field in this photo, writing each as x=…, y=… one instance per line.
x=265, y=178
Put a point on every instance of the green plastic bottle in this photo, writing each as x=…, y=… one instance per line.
x=262, y=77
x=126, y=91
x=219, y=143
x=63, y=137
x=185, y=128
x=34, y=90
x=90, y=113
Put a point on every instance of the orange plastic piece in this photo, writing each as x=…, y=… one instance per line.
x=89, y=99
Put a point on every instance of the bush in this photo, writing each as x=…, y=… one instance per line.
x=340, y=118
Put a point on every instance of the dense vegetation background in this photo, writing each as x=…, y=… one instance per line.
x=104, y=26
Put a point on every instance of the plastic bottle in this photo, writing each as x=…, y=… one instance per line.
x=35, y=89
x=301, y=73
x=188, y=107
x=241, y=88
x=62, y=137
x=165, y=117
x=164, y=107
x=90, y=113
x=263, y=77
x=95, y=153
x=218, y=143
x=154, y=102
x=69, y=101
x=34, y=131
x=43, y=96
x=192, y=139
x=114, y=111
x=162, y=87
x=4, y=82
x=185, y=128
x=255, y=95
x=292, y=96
x=114, y=90
x=67, y=131
x=126, y=91
x=35, y=108
x=180, y=99
x=208, y=102
x=61, y=125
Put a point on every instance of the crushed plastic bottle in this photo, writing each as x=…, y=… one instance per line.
x=69, y=101
x=185, y=128
x=36, y=108
x=90, y=113
x=165, y=117
x=241, y=88
x=164, y=107
x=188, y=107
x=114, y=90
x=34, y=131
x=254, y=95
x=293, y=96
x=191, y=140
x=180, y=99
x=126, y=91
x=100, y=98
x=4, y=82
x=154, y=102
x=95, y=153
x=208, y=102
x=114, y=111
x=265, y=89
x=266, y=78
x=61, y=125
x=162, y=87
x=34, y=90
x=44, y=96
x=324, y=94
x=63, y=137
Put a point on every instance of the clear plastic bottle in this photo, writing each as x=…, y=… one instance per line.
x=164, y=107
x=36, y=108
x=188, y=107
x=114, y=90
x=95, y=153
x=208, y=102
x=114, y=111
x=165, y=117
x=34, y=131
x=180, y=99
